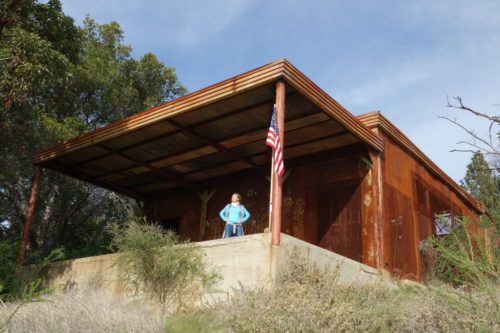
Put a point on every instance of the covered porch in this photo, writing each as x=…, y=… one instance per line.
x=182, y=160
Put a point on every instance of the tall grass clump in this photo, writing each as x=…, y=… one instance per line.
x=158, y=265
x=464, y=257
x=72, y=311
x=15, y=281
x=22, y=285
x=469, y=260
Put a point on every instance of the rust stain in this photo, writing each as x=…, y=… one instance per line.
x=371, y=253
x=368, y=199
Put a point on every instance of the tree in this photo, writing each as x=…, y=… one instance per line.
x=111, y=84
x=483, y=184
x=56, y=81
x=482, y=178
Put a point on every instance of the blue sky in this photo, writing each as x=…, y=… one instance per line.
x=400, y=57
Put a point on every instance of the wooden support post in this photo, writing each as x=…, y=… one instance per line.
x=277, y=181
x=271, y=194
x=205, y=197
x=30, y=211
x=371, y=211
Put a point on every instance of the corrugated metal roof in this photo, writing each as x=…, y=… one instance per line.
x=213, y=131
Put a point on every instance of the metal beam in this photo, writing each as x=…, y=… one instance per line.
x=332, y=136
x=152, y=168
x=201, y=123
x=217, y=146
x=249, y=137
x=75, y=172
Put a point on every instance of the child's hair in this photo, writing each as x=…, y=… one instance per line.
x=237, y=194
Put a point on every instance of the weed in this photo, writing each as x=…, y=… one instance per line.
x=157, y=264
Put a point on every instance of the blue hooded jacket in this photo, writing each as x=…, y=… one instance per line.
x=234, y=213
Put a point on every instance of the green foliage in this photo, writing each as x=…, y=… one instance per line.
x=15, y=281
x=464, y=257
x=483, y=183
x=114, y=85
x=470, y=260
x=156, y=263
x=58, y=80
x=8, y=253
x=32, y=292
x=24, y=284
x=207, y=322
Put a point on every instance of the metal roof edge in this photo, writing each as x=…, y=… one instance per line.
x=186, y=103
x=328, y=104
x=377, y=119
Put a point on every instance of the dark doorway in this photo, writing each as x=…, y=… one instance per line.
x=172, y=224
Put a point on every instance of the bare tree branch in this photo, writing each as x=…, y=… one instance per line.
x=488, y=145
x=469, y=151
x=466, y=108
x=475, y=146
x=491, y=147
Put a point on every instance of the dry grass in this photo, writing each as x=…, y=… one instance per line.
x=307, y=300
x=82, y=312
x=304, y=300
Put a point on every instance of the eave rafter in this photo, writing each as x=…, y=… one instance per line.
x=217, y=146
x=260, y=154
x=245, y=138
x=170, y=133
x=150, y=167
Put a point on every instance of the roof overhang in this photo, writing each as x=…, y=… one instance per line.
x=376, y=119
x=211, y=132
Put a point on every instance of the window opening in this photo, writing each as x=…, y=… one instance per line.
x=443, y=223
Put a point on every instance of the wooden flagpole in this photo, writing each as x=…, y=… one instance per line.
x=277, y=181
x=271, y=182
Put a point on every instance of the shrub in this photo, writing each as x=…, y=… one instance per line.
x=13, y=280
x=464, y=257
x=308, y=300
x=470, y=261
x=157, y=264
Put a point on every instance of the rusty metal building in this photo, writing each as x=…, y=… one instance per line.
x=354, y=185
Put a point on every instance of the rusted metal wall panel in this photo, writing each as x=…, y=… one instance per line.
x=411, y=196
x=322, y=198
x=339, y=218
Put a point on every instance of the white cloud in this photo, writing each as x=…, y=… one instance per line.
x=374, y=91
x=459, y=13
x=188, y=22
x=200, y=20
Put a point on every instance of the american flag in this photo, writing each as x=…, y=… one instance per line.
x=273, y=140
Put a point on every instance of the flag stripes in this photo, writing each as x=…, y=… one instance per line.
x=273, y=140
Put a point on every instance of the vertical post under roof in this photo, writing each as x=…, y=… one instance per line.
x=278, y=180
x=30, y=211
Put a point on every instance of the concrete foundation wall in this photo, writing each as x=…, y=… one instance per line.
x=99, y=272
x=348, y=270
x=242, y=262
